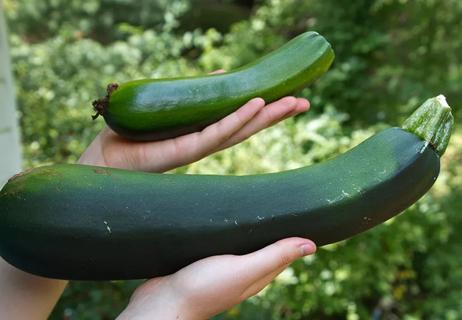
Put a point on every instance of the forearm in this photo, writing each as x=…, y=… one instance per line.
x=25, y=296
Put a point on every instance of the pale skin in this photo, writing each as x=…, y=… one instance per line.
x=204, y=288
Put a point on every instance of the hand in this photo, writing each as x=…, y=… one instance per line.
x=212, y=285
x=108, y=149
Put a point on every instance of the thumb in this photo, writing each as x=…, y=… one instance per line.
x=278, y=255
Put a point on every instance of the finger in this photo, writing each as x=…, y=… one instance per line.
x=260, y=264
x=218, y=71
x=194, y=146
x=268, y=116
x=260, y=284
x=303, y=105
x=263, y=119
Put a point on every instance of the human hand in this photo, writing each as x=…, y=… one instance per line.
x=108, y=149
x=213, y=285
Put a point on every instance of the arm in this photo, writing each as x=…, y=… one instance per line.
x=25, y=296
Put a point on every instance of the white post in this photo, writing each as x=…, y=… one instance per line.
x=10, y=145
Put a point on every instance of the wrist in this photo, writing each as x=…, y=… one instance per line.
x=93, y=155
x=87, y=159
x=165, y=312
x=155, y=299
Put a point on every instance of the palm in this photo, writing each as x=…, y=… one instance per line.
x=108, y=149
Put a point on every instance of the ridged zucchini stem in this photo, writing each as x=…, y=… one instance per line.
x=433, y=122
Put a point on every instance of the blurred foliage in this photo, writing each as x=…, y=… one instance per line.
x=91, y=18
x=390, y=56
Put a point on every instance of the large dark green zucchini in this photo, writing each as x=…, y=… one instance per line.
x=155, y=109
x=83, y=222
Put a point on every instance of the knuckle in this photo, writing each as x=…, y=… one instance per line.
x=286, y=258
x=287, y=253
x=290, y=100
x=237, y=118
x=267, y=117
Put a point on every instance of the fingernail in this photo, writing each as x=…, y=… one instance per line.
x=307, y=248
x=259, y=100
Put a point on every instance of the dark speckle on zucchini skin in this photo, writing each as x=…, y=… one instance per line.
x=115, y=224
x=156, y=109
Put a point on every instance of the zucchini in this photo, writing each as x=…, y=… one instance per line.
x=93, y=223
x=155, y=109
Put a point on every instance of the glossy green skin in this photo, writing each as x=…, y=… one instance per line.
x=91, y=223
x=157, y=109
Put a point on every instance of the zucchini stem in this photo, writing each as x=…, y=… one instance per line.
x=433, y=122
x=101, y=105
